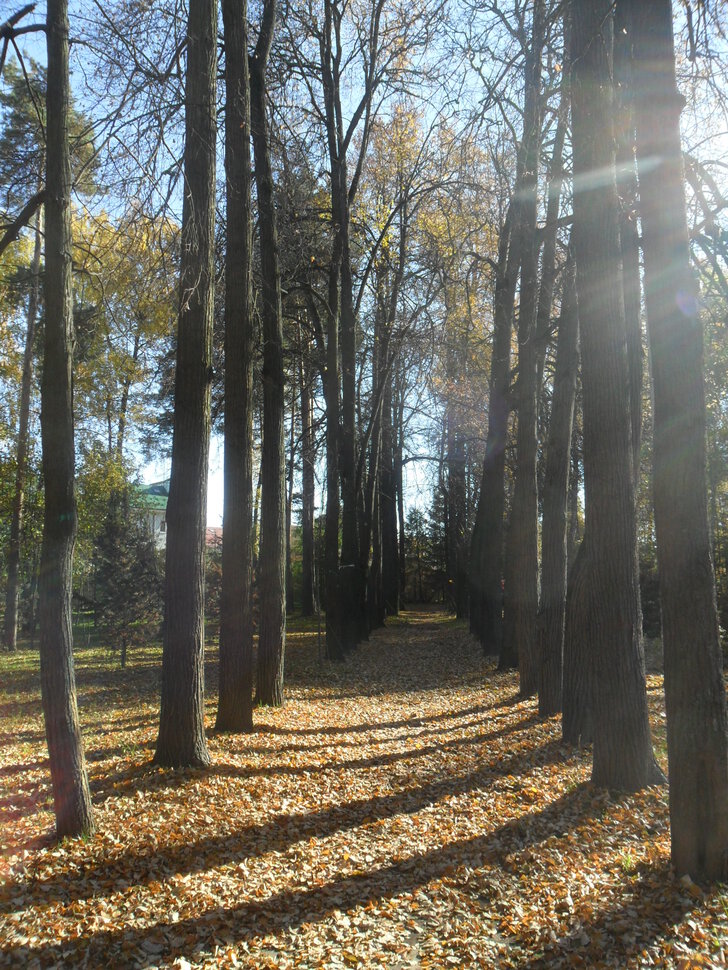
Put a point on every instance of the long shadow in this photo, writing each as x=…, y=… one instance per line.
x=290, y=908
x=281, y=831
x=8, y=770
x=427, y=732
x=125, y=781
x=419, y=720
x=655, y=903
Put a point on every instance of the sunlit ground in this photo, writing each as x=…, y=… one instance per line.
x=404, y=809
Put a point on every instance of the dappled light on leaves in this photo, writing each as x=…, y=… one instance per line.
x=404, y=808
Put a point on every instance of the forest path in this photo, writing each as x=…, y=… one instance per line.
x=403, y=809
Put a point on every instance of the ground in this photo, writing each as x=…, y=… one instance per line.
x=404, y=809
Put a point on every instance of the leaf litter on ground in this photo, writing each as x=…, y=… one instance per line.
x=403, y=809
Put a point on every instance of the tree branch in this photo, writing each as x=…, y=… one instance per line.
x=26, y=214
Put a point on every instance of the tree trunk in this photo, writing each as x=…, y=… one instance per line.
x=388, y=511
x=16, y=521
x=456, y=519
x=486, y=557
x=694, y=690
x=577, y=721
x=181, y=741
x=272, y=638
x=552, y=616
x=290, y=600
x=628, y=229
x=71, y=796
x=622, y=746
x=520, y=606
x=235, y=701
x=308, y=461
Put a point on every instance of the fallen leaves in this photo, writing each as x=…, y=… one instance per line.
x=405, y=809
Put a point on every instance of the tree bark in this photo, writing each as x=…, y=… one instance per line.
x=520, y=606
x=235, y=701
x=486, y=557
x=272, y=637
x=308, y=461
x=694, y=691
x=623, y=756
x=552, y=615
x=181, y=741
x=71, y=796
x=628, y=230
x=16, y=521
x=290, y=598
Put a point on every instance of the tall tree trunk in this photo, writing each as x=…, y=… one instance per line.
x=622, y=746
x=272, y=638
x=521, y=563
x=628, y=229
x=235, y=700
x=486, y=555
x=10, y=630
x=457, y=520
x=124, y=400
x=71, y=796
x=308, y=497
x=694, y=691
x=552, y=614
x=398, y=434
x=388, y=493
x=181, y=739
x=290, y=601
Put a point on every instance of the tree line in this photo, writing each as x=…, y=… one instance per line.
x=443, y=229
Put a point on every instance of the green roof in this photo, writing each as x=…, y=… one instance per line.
x=153, y=497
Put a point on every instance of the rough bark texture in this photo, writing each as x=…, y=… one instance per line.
x=388, y=511
x=577, y=721
x=694, y=691
x=308, y=461
x=10, y=629
x=622, y=746
x=181, y=739
x=457, y=576
x=272, y=638
x=71, y=796
x=520, y=606
x=235, y=702
x=486, y=557
x=628, y=229
x=552, y=614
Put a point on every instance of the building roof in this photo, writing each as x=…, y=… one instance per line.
x=153, y=497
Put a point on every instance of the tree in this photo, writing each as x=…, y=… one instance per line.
x=22, y=172
x=552, y=615
x=181, y=739
x=622, y=747
x=235, y=700
x=697, y=743
x=128, y=579
x=272, y=638
x=71, y=796
x=520, y=607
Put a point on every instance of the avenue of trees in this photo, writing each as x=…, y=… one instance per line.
x=449, y=283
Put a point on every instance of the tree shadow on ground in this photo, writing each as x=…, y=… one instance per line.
x=292, y=907
x=656, y=902
x=145, y=777
x=159, y=861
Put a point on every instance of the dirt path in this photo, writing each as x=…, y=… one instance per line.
x=404, y=809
